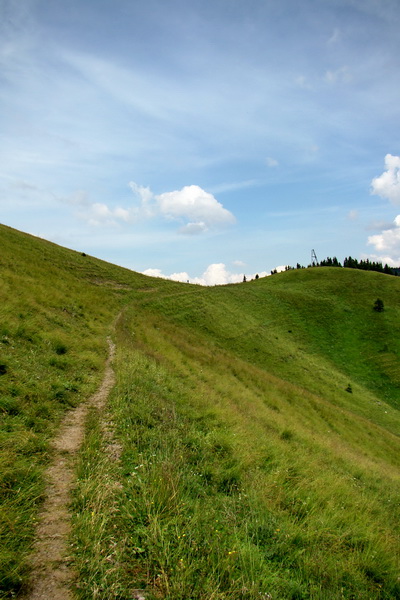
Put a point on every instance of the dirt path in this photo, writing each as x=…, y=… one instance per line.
x=52, y=574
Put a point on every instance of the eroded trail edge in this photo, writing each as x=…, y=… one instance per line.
x=52, y=573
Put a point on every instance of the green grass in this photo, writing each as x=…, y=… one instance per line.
x=97, y=543
x=244, y=487
x=56, y=309
x=258, y=424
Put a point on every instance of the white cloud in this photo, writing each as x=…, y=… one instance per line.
x=387, y=244
x=199, y=208
x=384, y=259
x=154, y=273
x=196, y=205
x=387, y=185
x=193, y=228
x=179, y=277
x=239, y=263
x=183, y=277
x=100, y=214
x=215, y=274
x=144, y=194
x=379, y=225
x=233, y=186
x=196, y=209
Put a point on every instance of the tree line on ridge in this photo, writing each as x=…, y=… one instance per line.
x=350, y=263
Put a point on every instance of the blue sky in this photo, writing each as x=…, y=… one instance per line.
x=203, y=139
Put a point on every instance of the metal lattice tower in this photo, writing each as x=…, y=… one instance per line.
x=314, y=259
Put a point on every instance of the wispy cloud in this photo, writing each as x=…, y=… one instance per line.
x=233, y=186
x=340, y=75
x=335, y=37
x=100, y=214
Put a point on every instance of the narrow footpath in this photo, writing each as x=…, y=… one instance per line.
x=52, y=574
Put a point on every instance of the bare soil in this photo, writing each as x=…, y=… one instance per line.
x=52, y=574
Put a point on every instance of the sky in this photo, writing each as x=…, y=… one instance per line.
x=203, y=139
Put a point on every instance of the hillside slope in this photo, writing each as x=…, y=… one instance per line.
x=259, y=427
x=56, y=310
x=281, y=323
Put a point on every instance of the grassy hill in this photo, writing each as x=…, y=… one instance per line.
x=259, y=428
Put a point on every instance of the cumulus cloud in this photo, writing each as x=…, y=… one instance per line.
x=154, y=273
x=379, y=225
x=387, y=185
x=215, y=274
x=198, y=207
x=195, y=209
x=193, y=228
x=387, y=244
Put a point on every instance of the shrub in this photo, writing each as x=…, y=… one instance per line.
x=3, y=369
x=60, y=348
x=287, y=434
